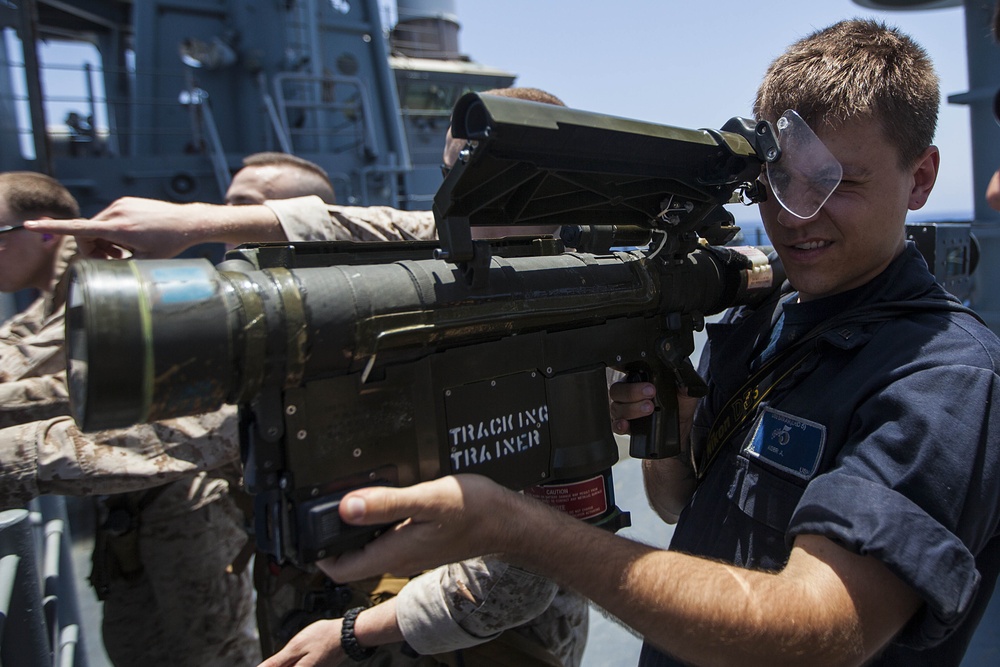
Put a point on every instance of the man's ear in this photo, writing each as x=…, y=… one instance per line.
x=925, y=171
x=48, y=239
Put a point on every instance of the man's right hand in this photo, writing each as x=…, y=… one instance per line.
x=630, y=400
x=445, y=520
x=669, y=482
x=633, y=400
x=130, y=227
x=153, y=229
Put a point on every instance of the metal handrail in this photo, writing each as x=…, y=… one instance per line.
x=39, y=614
x=24, y=641
x=316, y=83
x=9, y=565
x=197, y=99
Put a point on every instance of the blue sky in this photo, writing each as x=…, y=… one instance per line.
x=696, y=64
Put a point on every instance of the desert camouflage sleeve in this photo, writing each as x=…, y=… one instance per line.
x=54, y=456
x=33, y=398
x=310, y=219
x=467, y=603
x=31, y=344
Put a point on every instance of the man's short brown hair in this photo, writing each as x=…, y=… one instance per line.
x=309, y=178
x=857, y=69
x=528, y=94
x=276, y=159
x=30, y=194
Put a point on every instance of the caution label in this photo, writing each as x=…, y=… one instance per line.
x=583, y=499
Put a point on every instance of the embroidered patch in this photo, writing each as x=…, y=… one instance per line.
x=785, y=441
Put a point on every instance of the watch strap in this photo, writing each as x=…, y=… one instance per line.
x=349, y=642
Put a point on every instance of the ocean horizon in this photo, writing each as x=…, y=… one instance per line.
x=753, y=230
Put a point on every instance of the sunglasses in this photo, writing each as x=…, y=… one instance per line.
x=10, y=228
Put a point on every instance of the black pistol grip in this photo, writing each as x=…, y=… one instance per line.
x=689, y=378
x=658, y=435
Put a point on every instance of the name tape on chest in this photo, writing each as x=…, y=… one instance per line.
x=786, y=442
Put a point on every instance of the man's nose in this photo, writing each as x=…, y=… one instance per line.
x=791, y=221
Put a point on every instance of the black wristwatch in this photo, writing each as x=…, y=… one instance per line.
x=349, y=642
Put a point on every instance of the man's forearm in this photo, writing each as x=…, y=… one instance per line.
x=242, y=224
x=669, y=484
x=377, y=625
x=701, y=611
x=828, y=606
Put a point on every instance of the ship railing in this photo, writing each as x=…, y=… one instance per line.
x=203, y=123
x=273, y=117
x=318, y=96
x=39, y=612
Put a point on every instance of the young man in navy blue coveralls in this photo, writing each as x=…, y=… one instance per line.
x=852, y=516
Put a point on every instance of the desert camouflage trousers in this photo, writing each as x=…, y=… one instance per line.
x=186, y=606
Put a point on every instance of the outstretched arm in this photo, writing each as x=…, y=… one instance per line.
x=153, y=229
x=845, y=607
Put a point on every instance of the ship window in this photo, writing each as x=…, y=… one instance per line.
x=426, y=96
x=432, y=97
x=14, y=111
x=75, y=105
